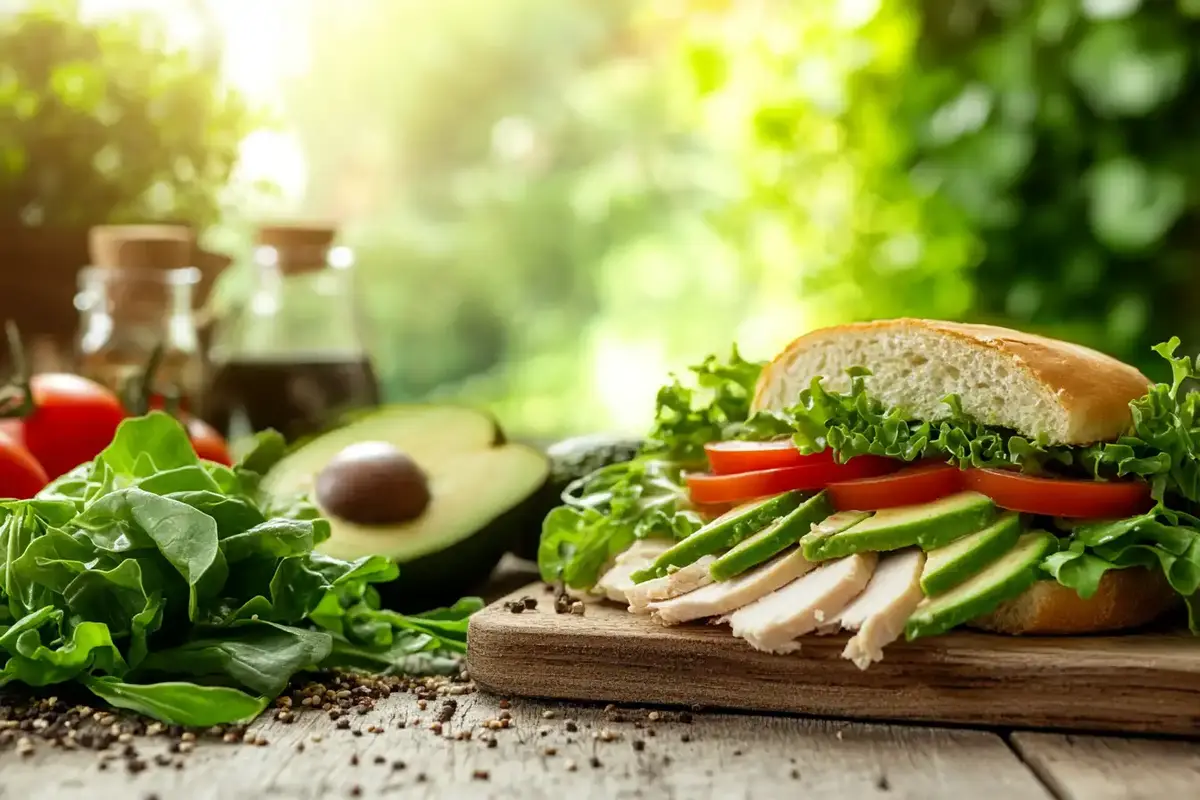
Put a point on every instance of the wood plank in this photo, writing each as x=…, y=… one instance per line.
x=1147, y=682
x=714, y=756
x=1103, y=767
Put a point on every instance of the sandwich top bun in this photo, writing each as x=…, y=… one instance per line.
x=1030, y=384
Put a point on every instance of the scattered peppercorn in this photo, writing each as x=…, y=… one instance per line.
x=530, y=602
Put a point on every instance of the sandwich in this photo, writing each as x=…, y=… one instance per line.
x=899, y=478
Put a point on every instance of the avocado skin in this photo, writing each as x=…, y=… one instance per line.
x=442, y=577
x=570, y=460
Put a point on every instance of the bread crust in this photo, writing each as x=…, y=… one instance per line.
x=1125, y=598
x=1093, y=389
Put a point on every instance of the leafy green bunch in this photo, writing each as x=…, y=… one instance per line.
x=607, y=511
x=168, y=585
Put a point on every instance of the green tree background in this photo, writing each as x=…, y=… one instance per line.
x=554, y=202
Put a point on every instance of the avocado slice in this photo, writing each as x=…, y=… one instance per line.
x=773, y=539
x=834, y=523
x=948, y=566
x=722, y=533
x=1003, y=580
x=930, y=525
x=476, y=485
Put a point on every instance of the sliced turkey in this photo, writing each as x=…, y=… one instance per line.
x=616, y=582
x=721, y=598
x=772, y=623
x=879, y=613
x=681, y=581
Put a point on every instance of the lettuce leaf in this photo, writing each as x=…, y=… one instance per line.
x=605, y=512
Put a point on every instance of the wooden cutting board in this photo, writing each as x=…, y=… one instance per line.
x=1144, y=683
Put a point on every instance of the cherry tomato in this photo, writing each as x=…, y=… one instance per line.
x=921, y=483
x=713, y=489
x=1059, y=497
x=207, y=443
x=21, y=476
x=72, y=421
x=732, y=457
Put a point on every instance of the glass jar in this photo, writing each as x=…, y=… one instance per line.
x=128, y=312
x=293, y=357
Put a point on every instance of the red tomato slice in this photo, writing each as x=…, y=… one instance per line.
x=713, y=489
x=922, y=483
x=1059, y=497
x=732, y=457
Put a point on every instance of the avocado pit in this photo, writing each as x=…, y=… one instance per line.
x=373, y=483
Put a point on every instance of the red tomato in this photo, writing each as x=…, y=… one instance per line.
x=712, y=489
x=207, y=443
x=732, y=457
x=709, y=513
x=921, y=483
x=1058, y=497
x=21, y=476
x=72, y=421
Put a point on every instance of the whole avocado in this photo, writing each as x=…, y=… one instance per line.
x=570, y=459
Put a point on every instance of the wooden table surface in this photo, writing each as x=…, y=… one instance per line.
x=636, y=755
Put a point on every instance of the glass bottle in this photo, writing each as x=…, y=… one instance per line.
x=293, y=357
x=135, y=297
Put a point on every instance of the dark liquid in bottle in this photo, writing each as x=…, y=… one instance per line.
x=296, y=398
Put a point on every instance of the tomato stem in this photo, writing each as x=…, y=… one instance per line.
x=16, y=399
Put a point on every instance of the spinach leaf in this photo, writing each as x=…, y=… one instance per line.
x=132, y=519
x=34, y=662
x=261, y=656
x=145, y=445
x=180, y=703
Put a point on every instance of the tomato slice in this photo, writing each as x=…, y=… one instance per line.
x=713, y=489
x=733, y=457
x=1060, y=497
x=922, y=483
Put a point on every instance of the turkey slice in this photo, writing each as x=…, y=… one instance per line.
x=721, y=598
x=616, y=582
x=879, y=613
x=773, y=622
x=681, y=581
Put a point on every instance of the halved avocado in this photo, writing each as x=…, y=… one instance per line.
x=476, y=486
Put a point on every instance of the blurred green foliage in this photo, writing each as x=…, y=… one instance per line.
x=1027, y=163
x=553, y=202
x=101, y=121
x=1066, y=131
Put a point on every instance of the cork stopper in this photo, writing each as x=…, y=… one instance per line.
x=162, y=247
x=298, y=248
